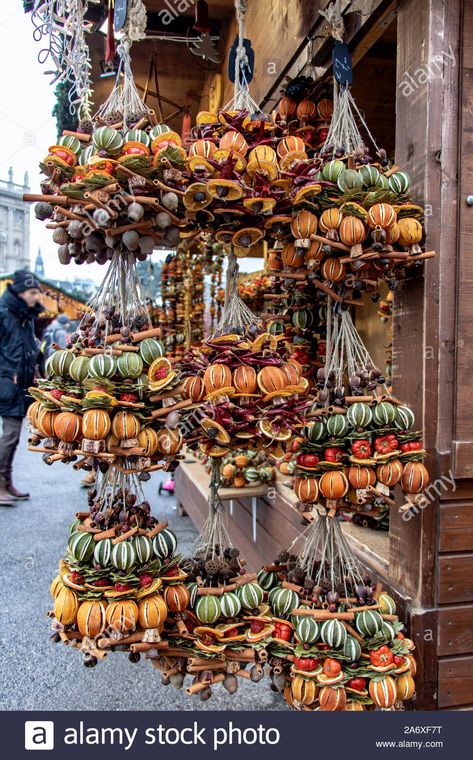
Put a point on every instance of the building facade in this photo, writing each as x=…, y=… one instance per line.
x=14, y=225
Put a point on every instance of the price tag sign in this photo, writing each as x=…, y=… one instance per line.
x=119, y=16
x=341, y=61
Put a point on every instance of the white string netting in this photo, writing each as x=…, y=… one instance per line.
x=120, y=289
x=136, y=20
x=214, y=537
x=242, y=100
x=343, y=130
x=325, y=555
x=61, y=25
x=346, y=353
x=235, y=314
x=113, y=488
x=124, y=99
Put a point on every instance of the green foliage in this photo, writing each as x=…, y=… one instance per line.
x=28, y=5
x=64, y=118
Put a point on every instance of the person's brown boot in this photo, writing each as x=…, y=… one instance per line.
x=16, y=493
x=6, y=499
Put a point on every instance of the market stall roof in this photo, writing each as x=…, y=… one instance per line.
x=55, y=299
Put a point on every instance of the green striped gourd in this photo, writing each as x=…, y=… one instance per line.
x=267, y=580
x=109, y=139
x=102, y=365
x=399, y=182
x=79, y=368
x=74, y=525
x=103, y=552
x=158, y=130
x=250, y=595
x=369, y=622
x=404, y=418
x=352, y=649
x=137, y=135
x=276, y=328
x=388, y=605
x=129, y=364
x=332, y=170
x=349, y=180
x=86, y=154
x=192, y=588
x=123, y=556
x=303, y=319
x=272, y=595
x=151, y=349
x=369, y=175
x=316, y=431
x=382, y=183
x=230, y=605
x=81, y=545
x=142, y=384
x=284, y=601
x=71, y=142
x=388, y=631
x=384, y=413
x=334, y=634
x=143, y=547
x=252, y=474
x=337, y=425
x=307, y=630
x=359, y=415
x=164, y=544
x=208, y=609
x=60, y=362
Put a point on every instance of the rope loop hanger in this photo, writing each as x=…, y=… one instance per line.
x=242, y=100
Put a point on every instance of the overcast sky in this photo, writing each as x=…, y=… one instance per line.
x=27, y=129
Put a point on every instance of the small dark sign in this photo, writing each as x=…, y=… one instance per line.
x=341, y=61
x=249, y=68
x=120, y=14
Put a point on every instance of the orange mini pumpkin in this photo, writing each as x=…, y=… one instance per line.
x=45, y=422
x=291, y=256
x=332, y=269
x=202, y=148
x=415, y=477
x=271, y=380
x=290, y=144
x=383, y=692
x=233, y=140
x=287, y=107
x=169, y=441
x=361, y=477
x=244, y=379
x=177, y=597
x=304, y=690
x=333, y=485
x=95, y=424
x=405, y=686
x=306, y=110
x=152, y=611
x=91, y=617
x=68, y=426
x=330, y=220
x=381, y=215
x=304, y=225
x=306, y=490
x=292, y=373
x=332, y=699
x=353, y=232
x=33, y=412
x=216, y=377
x=390, y=473
x=148, y=440
x=125, y=425
x=194, y=388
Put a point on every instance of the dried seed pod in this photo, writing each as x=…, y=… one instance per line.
x=135, y=212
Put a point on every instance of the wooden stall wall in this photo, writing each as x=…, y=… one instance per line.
x=435, y=312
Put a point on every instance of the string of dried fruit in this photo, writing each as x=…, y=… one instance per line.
x=110, y=397
x=119, y=568
x=242, y=467
x=361, y=443
x=182, y=293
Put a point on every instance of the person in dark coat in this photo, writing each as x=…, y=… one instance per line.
x=19, y=348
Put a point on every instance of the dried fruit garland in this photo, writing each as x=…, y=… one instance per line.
x=360, y=443
x=119, y=570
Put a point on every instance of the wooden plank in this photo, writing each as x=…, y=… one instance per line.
x=464, y=338
x=456, y=527
x=455, y=630
x=455, y=681
x=422, y=627
x=455, y=578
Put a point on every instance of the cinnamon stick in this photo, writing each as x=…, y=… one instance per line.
x=293, y=587
x=124, y=536
x=153, y=332
x=157, y=529
x=82, y=136
x=112, y=231
x=165, y=410
x=331, y=243
x=247, y=578
x=82, y=515
x=37, y=198
x=110, y=533
x=133, y=638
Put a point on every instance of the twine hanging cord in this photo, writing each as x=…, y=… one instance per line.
x=333, y=14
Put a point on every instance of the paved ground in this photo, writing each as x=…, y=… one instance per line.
x=38, y=675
